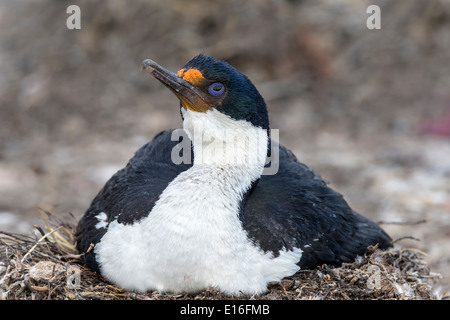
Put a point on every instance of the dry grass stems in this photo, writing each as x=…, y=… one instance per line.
x=47, y=266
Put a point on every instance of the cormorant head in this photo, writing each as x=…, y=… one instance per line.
x=223, y=113
x=205, y=84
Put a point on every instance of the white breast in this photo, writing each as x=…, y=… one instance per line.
x=193, y=239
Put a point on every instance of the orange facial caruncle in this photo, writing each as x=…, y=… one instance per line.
x=193, y=76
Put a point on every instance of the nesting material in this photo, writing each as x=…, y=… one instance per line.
x=45, y=270
x=47, y=266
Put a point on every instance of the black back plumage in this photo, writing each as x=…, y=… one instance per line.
x=131, y=193
x=292, y=209
x=295, y=208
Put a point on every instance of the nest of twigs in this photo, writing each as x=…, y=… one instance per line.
x=46, y=265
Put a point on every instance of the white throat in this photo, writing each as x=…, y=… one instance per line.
x=221, y=141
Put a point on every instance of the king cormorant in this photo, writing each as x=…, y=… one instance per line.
x=219, y=220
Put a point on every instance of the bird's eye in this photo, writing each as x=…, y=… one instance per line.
x=216, y=89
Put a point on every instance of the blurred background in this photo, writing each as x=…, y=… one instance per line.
x=367, y=109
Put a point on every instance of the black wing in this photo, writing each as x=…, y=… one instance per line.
x=296, y=209
x=131, y=193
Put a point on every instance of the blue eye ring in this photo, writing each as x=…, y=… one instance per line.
x=216, y=89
